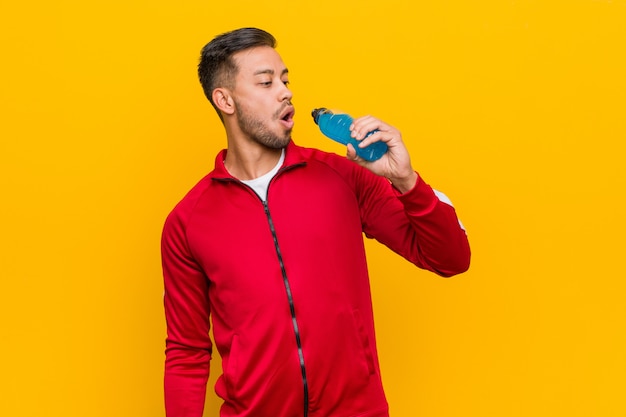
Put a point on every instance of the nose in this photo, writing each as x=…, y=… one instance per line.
x=285, y=93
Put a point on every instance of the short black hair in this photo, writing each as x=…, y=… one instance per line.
x=217, y=68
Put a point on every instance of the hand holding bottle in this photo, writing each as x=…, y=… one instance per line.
x=336, y=125
x=395, y=164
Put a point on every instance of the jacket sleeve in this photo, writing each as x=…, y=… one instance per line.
x=188, y=346
x=418, y=225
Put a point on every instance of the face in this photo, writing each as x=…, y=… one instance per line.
x=262, y=99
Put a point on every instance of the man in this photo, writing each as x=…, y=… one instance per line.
x=270, y=245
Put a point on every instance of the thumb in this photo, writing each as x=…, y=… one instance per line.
x=351, y=153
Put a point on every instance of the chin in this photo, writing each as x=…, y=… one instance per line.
x=275, y=143
x=278, y=142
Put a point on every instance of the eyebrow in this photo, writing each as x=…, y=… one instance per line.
x=270, y=72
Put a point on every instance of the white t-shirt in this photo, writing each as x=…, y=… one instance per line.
x=259, y=185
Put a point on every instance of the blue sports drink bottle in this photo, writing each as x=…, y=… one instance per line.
x=337, y=127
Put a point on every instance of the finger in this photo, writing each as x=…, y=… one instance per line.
x=364, y=125
x=351, y=152
x=377, y=136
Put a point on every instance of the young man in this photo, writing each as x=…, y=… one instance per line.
x=270, y=245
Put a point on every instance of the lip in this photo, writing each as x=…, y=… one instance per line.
x=286, y=117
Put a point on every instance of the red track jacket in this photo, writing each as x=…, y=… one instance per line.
x=287, y=287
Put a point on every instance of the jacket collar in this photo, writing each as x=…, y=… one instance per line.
x=293, y=156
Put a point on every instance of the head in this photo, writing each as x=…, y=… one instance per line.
x=244, y=77
x=217, y=68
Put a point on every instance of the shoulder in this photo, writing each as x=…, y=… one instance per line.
x=320, y=158
x=183, y=210
x=324, y=166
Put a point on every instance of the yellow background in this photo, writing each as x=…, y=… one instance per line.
x=513, y=108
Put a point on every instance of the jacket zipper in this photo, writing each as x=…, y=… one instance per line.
x=292, y=309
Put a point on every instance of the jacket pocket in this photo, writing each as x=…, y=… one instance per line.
x=231, y=371
x=362, y=335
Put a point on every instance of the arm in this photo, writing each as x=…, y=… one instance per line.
x=409, y=218
x=188, y=346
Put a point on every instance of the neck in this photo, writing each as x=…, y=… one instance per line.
x=250, y=161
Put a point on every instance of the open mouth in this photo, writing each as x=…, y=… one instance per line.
x=287, y=116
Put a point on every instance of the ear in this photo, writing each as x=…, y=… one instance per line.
x=223, y=100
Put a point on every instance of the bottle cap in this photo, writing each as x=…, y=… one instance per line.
x=316, y=113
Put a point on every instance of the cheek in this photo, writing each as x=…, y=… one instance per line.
x=257, y=106
x=252, y=102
